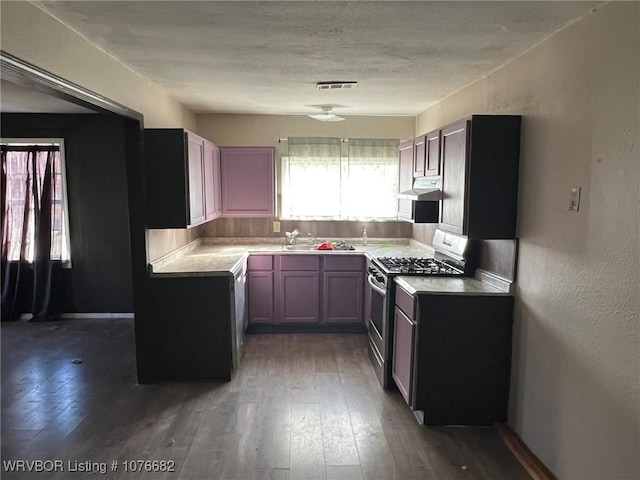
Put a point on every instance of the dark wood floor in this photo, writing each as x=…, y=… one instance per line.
x=300, y=407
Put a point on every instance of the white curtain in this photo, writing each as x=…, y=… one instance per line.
x=372, y=181
x=318, y=183
x=311, y=178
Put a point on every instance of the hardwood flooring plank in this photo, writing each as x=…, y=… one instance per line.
x=344, y=472
x=307, y=450
x=337, y=433
x=301, y=406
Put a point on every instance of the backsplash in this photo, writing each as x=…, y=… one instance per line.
x=263, y=227
x=423, y=232
x=163, y=241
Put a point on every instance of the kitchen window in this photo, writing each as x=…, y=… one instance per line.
x=322, y=180
x=23, y=161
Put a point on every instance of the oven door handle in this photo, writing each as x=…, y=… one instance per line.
x=375, y=286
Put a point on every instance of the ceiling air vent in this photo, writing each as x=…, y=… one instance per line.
x=336, y=85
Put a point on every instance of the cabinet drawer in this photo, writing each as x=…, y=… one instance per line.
x=299, y=262
x=260, y=262
x=406, y=303
x=343, y=263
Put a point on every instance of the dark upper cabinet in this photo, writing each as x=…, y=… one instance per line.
x=426, y=155
x=419, y=156
x=454, y=177
x=432, y=154
x=410, y=210
x=405, y=178
x=480, y=162
x=182, y=178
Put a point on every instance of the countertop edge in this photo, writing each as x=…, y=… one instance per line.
x=156, y=266
x=408, y=284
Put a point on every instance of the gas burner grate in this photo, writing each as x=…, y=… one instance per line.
x=417, y=266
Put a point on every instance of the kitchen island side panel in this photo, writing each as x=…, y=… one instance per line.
x=192, y=334
x=463, y=359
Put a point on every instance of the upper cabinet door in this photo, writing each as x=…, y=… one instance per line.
x=175, y=178
x=196, y=171
x=211, y=180
x=454, y=177
x=419, y=155
x=405, y=179
x=217, y=181
x=432, y=153
x=247, y=181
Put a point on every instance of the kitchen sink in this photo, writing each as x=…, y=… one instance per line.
x=309, y=248
x=299, y=248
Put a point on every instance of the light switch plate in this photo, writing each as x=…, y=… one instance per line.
x=574, y=199
x=276, y=227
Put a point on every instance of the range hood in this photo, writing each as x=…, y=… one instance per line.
x=424, y=189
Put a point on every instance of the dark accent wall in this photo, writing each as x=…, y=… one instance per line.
x=100, y=279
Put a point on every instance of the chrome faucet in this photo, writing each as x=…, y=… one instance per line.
x=315, y=239
x=291, y=236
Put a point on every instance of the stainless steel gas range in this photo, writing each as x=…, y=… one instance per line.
x=453, y=257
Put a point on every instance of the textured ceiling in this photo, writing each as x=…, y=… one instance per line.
x=265, y=57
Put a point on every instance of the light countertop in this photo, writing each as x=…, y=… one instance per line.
x=447, y=286
x=221, y=256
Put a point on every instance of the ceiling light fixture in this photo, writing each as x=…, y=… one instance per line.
x=326, y=115
x=336, y=85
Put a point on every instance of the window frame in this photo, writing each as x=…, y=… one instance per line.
x=60, y=142
x=343, y=217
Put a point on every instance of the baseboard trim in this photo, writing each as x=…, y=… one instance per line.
x=532, y=464
x=88, y=316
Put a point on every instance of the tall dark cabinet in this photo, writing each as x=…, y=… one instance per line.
x=480, y=162
x=477, y=159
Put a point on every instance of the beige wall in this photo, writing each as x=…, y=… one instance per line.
x=31, y=35
x=575, y=387
x=265, y=130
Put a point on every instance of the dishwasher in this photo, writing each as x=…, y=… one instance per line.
x=238, y=312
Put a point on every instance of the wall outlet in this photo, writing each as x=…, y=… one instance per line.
x=276, y=227
x=574, y=199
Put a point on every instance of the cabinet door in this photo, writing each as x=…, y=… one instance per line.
x=299, y=297
x=248, y=181
x=342, y=302
x=403, y=350
x=405, y=179
x=419, y=156
x=195, y=151
x=260, y=296
x=217, y=182
x=454, y=178
x=432, y=152
x=210, y=181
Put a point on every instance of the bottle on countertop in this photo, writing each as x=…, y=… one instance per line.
x=364, y=236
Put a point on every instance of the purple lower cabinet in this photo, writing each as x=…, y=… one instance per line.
x=342, y=302
x=260, y=296
x=403, y=350
x=299, y=297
